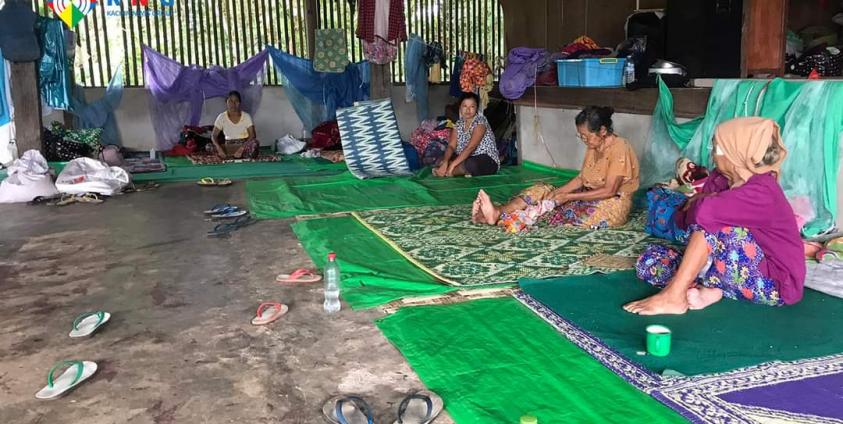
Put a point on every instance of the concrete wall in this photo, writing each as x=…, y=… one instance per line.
x=274, y=119
x=560, y=135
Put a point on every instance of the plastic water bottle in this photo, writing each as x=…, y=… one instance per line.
x=628, y=73
x=332, y=285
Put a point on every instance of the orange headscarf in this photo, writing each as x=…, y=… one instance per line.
x=744, y=141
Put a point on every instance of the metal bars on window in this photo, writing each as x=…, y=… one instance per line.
x=227, y=32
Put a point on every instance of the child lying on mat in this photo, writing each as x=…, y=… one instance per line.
x=238, y=129
x=744, y=242
x=599, y=197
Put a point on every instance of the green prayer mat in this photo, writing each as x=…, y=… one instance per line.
x=288, y=197
x=727, y=335
x=445, y=243
x=373, y=274
x=493, y=361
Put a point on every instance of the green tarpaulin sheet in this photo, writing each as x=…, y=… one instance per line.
x=725, y=336
x=373, y=273
x=810, y=115
x=493, y=361
x=295, y=196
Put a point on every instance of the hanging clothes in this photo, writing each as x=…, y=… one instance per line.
x=5, y=110
x=315, y=96
x=179, y=91
x=416, y=75
x=100, y=114
x=434, y=57
x=54, y=78
x=331, y=52
x=8, y=150
x=391, y=14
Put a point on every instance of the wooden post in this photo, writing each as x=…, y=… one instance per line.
x=312, y=24
x=381, y=81
x=27, y=100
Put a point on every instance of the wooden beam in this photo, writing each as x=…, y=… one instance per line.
x=312, y=8
x=764, y=37
x=27, y=101
x=687, y=102
x=380, y=83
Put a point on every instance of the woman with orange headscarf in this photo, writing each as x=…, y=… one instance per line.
x=744, y=243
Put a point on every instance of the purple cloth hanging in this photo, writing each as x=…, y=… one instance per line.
x=178, y=91
x=522, y=65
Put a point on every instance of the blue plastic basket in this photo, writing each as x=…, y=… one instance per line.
x=606, y=72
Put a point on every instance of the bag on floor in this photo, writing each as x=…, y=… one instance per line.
x=662, y=203
x=29, y=177
x=86, y=175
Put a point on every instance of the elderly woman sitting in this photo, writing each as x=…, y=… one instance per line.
x=744, y=242
x=599, y=197
x=238, y=130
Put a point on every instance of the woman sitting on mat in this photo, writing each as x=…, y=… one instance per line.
x=744, y=242
x=599, y=197
x=471, y=150
x=238, y=129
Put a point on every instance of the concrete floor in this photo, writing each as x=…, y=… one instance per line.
x=179, y=347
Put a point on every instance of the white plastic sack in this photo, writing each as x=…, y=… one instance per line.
x=28, y=178
x=288, y=145
x=86, y=175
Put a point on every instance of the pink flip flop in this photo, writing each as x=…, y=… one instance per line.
x=301, y=275
x=268, y=312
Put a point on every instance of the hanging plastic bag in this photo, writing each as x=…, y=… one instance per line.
x=86, y=175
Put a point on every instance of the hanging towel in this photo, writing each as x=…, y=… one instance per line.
x=331, y=51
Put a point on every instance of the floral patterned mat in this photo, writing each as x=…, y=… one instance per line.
x=444, y=242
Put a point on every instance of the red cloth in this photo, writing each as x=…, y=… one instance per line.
x=325, y=136
x=366, y=21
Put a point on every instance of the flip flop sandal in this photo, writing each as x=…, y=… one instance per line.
x=208, y=181
x=241, y=222
x=347, y=409
x=66, y=200
x=221, y=230
x=44, y=199
x=301, y=275
x=84, y=325
x=221, y=208
x=421, y=407
x=268, y=312
x=233, y=213
x=88, y=198
x=75, y=372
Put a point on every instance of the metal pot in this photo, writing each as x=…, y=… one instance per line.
x=663, y=67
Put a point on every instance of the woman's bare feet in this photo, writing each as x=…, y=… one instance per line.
x=490, y=213
x=476, y=215
x=662, y=303
x=701, y=297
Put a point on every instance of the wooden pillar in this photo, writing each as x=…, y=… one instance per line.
x=381, y=81
x=27, y=101
x=764, y=37
x=312, y=24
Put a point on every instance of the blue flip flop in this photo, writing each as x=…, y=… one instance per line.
x=221, y=208
x=347, y=409
x=225, y=229
x=421, y=407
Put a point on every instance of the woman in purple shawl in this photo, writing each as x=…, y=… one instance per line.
x=744, y=242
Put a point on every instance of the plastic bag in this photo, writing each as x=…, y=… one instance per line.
x=86, y=175
x=288, y=145
x=28, y=178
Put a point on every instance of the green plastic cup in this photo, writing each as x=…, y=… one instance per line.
x=658, y=340
x=529, y=419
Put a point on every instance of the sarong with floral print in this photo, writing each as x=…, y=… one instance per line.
x=733, y=266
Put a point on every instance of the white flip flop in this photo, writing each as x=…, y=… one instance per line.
x=74, y=375
x=353, y=408
x=84, y=325
x=421, y=407
x=269, y=312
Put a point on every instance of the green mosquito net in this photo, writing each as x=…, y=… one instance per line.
x=810, y=114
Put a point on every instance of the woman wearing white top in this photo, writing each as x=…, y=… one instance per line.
x=239, y=131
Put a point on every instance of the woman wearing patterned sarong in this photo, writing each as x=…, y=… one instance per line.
x=471, y=150
x=744, y=242
x=237, y=128
x=599, y=197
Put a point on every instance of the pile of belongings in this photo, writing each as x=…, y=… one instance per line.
x=192, y=139
x=62, y=144
x=526, y=67
x=689, y=178
x=814, y=49
x=430, y=139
